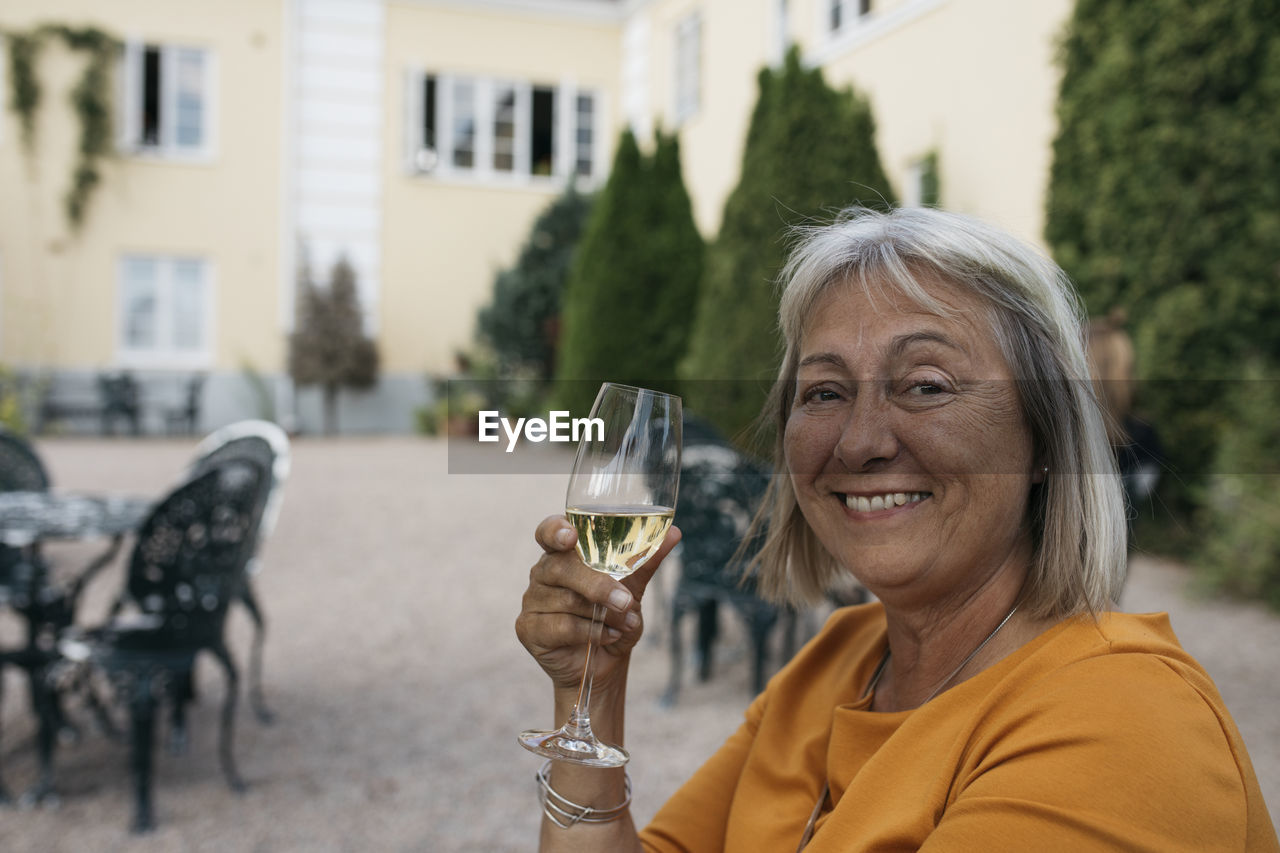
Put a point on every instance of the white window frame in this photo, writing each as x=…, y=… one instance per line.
x=593, y=144
x=165, y=354
x=841, y=15
x=130, y=140
x=687, y=73
x=438, y=163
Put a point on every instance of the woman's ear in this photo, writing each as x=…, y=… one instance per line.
x=1039, y=473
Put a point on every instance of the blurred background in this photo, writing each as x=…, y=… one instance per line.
x=375, y=218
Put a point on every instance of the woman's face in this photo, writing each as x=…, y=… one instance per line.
x=907, y=447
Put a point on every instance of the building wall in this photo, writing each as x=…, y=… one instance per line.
x=313, y=145
x=736, y=41
x=973, y=80
x=444, y=238
x=61, y=287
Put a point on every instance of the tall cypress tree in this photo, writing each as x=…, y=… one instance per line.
x=634, y=280
x=810, y=150
x=1165, y=197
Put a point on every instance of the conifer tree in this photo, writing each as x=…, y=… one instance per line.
x=1164, y=198
x=329, y=347
x=634, y=281
x=810, y=151
x=521, y=324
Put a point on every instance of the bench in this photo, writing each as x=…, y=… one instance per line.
x=112, y=397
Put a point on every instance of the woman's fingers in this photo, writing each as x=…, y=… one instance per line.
x=555, y=533
x=562, y=593
x=638, y=581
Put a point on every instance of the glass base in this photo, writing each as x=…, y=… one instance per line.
x=562, y=746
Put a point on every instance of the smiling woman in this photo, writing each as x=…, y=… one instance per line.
x=938, y=440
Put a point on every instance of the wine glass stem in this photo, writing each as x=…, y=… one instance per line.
x=579, y=725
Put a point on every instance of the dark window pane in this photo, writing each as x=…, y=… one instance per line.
x=150, y=125
x=429, y=113
x=542, y=140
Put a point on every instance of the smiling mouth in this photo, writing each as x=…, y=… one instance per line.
x=889, y=500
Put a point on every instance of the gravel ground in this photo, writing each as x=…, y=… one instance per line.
x=391, y=586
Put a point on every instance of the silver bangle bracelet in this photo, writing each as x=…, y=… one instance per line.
x=565, y=813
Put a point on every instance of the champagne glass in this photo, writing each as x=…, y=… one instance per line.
x=621, y=499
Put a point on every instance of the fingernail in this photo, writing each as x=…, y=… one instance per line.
x=612, y=635
x=620, y=600
x=565, y=536
x=632, y=621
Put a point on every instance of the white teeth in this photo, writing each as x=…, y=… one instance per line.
x=858, y=503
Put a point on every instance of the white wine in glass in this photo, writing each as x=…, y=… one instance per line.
x=621, y=500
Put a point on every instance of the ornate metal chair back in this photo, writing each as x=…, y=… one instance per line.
x=720, y=490
x=192, y=550
x=20, y=468
x=261, y=442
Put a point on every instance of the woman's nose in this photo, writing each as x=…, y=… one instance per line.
x=868, y=439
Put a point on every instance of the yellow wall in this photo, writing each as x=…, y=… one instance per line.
x=973, y=79
x=734, y=44
x=59, y=288
x=443, y=240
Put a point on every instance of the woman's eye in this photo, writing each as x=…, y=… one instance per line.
x=820, y=395
x=929, y=387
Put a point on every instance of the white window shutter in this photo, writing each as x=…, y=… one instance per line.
x=414, y=81
x=129, y=135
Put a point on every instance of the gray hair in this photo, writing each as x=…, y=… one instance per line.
x=1076, y=515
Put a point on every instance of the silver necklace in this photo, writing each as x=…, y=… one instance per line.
x=973, y=654
x=871, y=685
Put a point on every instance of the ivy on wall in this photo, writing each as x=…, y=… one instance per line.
x=91, y=100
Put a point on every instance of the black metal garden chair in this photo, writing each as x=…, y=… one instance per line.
x=20, y=467
x=185, y=569
x=20, y=471
x=720, y=490
x=266, y=444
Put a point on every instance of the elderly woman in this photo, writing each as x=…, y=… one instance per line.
x=937, y=438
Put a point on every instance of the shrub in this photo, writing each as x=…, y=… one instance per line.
x=1165, y=199
x=521, y=323
x=1240, y=523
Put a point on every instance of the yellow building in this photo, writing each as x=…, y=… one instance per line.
x=419, y=139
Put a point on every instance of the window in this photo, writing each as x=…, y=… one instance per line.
x=164, y=309
x=542, y=136
x=841, y=12
x=688, y=76
x=501, y=129
x=464, y=124
x=504, y=129
x=166, y=102
x=585, y=140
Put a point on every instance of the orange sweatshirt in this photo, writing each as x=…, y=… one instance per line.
x=1093, y=736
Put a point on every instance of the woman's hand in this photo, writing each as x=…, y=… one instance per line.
x=555, y=618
